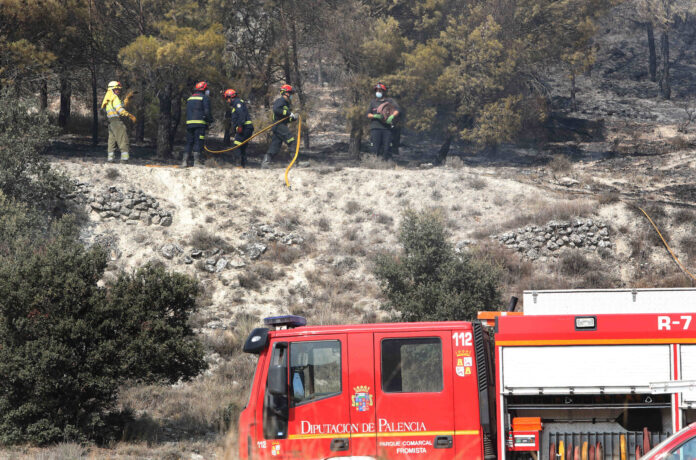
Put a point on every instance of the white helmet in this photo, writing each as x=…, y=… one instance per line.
x=114, y=85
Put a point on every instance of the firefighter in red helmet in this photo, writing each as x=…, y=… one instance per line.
x=240, y=122
x=383, y=113
x=281, y=132
x=198, y=119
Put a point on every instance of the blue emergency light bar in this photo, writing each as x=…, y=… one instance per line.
x=289, y=321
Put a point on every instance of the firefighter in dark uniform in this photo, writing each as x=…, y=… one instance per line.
x=281, y=132
x=240, y=122
x=198, y=118
x=381, y=125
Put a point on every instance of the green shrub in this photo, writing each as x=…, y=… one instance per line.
x=66, y=344
x=429, y=281
x=24, y=173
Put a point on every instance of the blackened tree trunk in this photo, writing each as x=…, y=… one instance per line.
x=65, y=95
x=228, y=126
x=444, y=150
x=95, y=107
x=164, y=145
x=354, y=144
x=665, y=89
x=43, y=95
x=573, y=90
x=652, y=58
x=176, y=117
x=140, y=114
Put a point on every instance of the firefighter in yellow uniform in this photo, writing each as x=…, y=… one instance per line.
x=118, y=135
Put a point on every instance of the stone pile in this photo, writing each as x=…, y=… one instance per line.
x=270, y=234
x=131, y=206
x=535, y=241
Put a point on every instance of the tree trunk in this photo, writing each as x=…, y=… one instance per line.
x=444, y=150
x=140, y=114
x=652, y=58
x=43, y=95
x=573, y=90
x=164, y=146
x=228, y=126
x=176, y=117
x=665, y=90
x=65, y=94
x=354, y=144
x=95, y=107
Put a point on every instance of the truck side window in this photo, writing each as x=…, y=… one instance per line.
x=686, y=451
x=315, y=370
x=412, y=365
x=275, y=408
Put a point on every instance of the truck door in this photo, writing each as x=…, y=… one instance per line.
x=316, y=423
x=414, y=395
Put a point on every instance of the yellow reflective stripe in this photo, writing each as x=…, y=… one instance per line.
x=195, y=98
x=237, y=142
x=290, y=140
x=385, y=435
x=201, y=137
x=248, y=122
x=188, y=122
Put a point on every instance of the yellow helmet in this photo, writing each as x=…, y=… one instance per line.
x=114, y=85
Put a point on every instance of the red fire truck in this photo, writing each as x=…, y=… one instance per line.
x=578, y=385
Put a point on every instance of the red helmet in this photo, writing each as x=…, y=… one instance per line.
x=286, y=89
x=230, y=93
x=201, y=86
x=380, y=87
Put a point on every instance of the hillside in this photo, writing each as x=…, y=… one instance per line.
x=559, y=216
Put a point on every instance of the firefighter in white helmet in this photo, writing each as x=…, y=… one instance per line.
x=118, y=135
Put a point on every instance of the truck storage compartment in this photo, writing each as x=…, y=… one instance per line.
x=591, y=369
x=688, y=362
x=620, y=446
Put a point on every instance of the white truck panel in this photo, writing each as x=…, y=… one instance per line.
x=629, y=301
x=688, y=369
x=616, y=368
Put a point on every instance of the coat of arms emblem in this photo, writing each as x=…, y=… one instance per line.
x=362, y=399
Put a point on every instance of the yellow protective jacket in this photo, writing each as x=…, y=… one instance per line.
x=114, y=107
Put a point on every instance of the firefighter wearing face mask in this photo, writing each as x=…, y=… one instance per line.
x=198, y=119
x=240, y=122
x=281, y=132
x=383, y=113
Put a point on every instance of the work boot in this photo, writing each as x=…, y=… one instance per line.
x=184, y=160
x=124, y=157
x=266, y=163
x=196, y=159
x=110, y=157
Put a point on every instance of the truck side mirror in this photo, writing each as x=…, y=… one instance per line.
x=278, y=380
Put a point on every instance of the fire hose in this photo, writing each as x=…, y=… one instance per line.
x=676, y=259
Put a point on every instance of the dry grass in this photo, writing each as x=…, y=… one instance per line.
x=684, y=216
x=560, y=164
x=539, y=211
x=265, y=270
x=324, y=224
x=688, y=246
x=288, y=221
x=478, y=183
x=249, y=280
x=112, y=173
x=375, y=162
x=282, y=253
x=574, y=263
x=203, y=239
x=352, y=207
x=606, y=198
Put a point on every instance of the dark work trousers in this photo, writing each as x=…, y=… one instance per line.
x=195, y=138
x=380, y=139
x=281, y=133
x=395, y=141
x=247, y=131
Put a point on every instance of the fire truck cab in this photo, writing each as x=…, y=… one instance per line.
x=574, y=385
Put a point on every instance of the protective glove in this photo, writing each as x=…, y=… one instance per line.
x=239, y=129
x=132, y=117
x=293, y=117
x=390, y=120
x=377, y=116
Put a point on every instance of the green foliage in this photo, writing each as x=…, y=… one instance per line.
x=429, y=281
x=24, y=173
x=66, y=344
x=147, y=312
